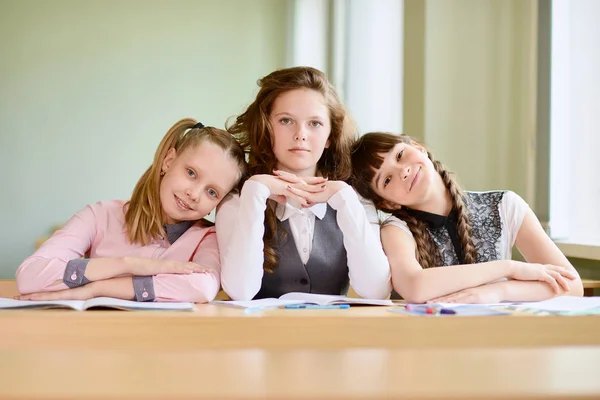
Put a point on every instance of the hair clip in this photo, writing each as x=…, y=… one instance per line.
x=199, y=125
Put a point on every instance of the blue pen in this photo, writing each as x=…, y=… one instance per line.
x=316, y=306
x=448, y=311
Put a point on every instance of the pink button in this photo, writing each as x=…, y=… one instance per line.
x=145, y=294
x=74, y=276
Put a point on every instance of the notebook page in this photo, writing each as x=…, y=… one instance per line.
x=451, y=305
x=564, y=303
x=12, y=303
x=560, y=304
x=311, y=298
x=323, y=299
x=137, y=305
x=260, y=303
x=366, y=302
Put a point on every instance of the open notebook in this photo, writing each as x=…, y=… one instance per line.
x=98, y=302
x=302, y=298
x=561, y=305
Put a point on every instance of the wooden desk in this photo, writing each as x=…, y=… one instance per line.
x=360, y=353
x=217, y=327
x=467, y=374
x=8, y=288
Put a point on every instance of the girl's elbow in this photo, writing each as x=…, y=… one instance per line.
x=381, y=291
x=575, y=288
x=24, y=286
x=240, y=289
x=377, y=286
x=203, y=295
x=240, y=293
x=27, y=285
x=413, y=298
x=34, y=276
x=200, y=298
x=411, y=294
x=202, y=288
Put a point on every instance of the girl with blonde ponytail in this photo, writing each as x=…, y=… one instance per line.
x=154, y=247
x=434, y=223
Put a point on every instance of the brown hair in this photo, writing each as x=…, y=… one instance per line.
x=144, y=216
x=367, y=159
x=254, y=132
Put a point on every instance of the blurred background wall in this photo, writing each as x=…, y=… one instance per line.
x=89, y=88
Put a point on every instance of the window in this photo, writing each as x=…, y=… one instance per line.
x=358, y=43
x=574, y=205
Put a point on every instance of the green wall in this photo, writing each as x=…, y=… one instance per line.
x=88, y=89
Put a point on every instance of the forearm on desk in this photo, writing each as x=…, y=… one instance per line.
x=197, y=287
x=99, y=269
x=368, y=265
x=240, y=230
x=513, y=290
x=119, y=288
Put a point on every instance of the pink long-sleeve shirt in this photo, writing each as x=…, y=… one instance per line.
x=99, y=231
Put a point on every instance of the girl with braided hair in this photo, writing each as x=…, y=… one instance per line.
x=433, y=223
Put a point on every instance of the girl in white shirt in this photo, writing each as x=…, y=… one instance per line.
x=296, y=225
x=434, y=223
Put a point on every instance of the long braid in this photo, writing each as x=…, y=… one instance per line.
x=458, y=202
x=426, y=252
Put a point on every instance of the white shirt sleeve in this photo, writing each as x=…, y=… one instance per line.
x=369, y=269
x=389, y=219
x=240, y=229
x=512, y=210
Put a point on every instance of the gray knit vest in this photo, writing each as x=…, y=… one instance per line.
x=326, y=271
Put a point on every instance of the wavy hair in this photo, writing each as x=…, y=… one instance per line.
x=255, y=133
